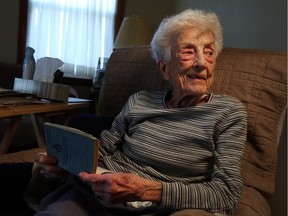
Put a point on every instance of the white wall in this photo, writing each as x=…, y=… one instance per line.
x=258, y=24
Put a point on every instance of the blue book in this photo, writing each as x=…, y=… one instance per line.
x=75, y=150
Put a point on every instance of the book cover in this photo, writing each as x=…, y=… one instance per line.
x=75, y=150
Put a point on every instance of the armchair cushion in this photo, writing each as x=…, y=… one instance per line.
x=252, y=203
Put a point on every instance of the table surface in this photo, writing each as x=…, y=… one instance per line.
x=9, y=111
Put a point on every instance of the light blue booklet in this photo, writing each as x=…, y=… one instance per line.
x=75, y=150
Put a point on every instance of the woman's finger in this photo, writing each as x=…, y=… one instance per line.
x=85, y=177
x=42, y=158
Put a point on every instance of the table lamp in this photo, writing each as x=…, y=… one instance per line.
x=133, y=31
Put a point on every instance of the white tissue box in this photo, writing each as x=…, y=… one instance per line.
x=45, y=90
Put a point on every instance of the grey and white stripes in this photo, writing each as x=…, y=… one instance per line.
x=195, y=152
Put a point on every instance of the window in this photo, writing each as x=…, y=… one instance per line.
x=78, y=32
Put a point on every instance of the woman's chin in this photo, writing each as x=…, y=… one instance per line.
x=198, y=91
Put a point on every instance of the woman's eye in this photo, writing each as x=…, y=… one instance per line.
x=186, y=54
x=209, y=53
x=187, y=51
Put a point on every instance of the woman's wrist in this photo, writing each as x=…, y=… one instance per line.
x=151, y=192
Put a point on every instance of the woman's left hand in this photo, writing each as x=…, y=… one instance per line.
x=112, y=188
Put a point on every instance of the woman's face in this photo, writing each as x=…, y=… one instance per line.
x=192, y=63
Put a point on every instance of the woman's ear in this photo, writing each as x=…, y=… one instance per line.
x=163, y=69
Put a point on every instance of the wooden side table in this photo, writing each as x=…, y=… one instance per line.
x=15, y=113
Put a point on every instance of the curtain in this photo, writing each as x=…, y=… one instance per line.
x=79, y=32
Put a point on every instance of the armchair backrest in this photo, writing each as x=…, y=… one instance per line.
x=128, y=70
x=259, y=79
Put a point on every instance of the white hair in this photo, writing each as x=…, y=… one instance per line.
x=169, y=27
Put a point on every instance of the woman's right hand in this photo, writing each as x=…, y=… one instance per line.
x=47, y=166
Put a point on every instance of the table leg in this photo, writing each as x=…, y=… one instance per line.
x=38, y=131
x=9, y=134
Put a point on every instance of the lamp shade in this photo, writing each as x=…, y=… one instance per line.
x=133, y=31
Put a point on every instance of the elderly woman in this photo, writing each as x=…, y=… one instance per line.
x=166, y=151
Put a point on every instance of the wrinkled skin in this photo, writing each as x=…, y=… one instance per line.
x=191, y=68
x=110, y=188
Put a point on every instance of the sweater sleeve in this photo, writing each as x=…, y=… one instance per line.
x=221, y=193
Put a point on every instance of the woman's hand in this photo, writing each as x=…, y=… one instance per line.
x=47, y=166
x=112, y=188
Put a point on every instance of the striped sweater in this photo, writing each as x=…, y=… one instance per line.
x=194, y=152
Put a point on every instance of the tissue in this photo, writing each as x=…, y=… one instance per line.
x=45, y=69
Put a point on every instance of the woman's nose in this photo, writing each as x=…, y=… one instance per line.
x=199, y=63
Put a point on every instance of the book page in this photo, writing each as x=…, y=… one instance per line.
x=101, y=170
